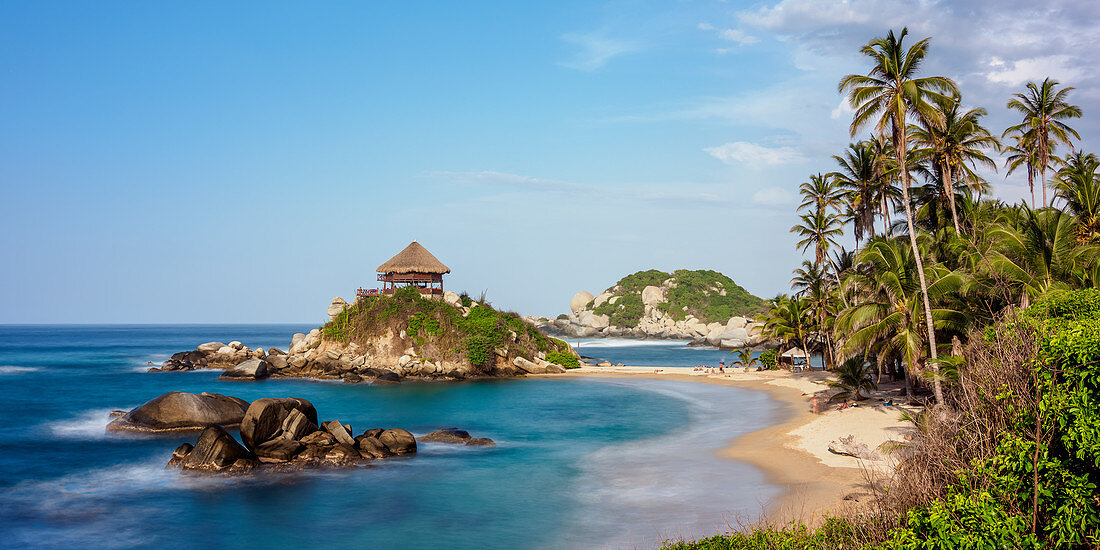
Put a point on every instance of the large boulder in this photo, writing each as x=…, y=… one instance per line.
x=398, y=441
x=252, y=369
x=181, y=411
x=736, y=323
x=278, y=450
x=337, y=307
x=652, y=295
x=590, y=319
x=457, y=436
x=210, y=346
x=215, y=450
x=339, y=431
x=599, y=300
x=579, y=301
x=263, y=421
x=452, y=299
x=541, y=367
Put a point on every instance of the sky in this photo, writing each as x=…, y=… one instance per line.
x=212, y=162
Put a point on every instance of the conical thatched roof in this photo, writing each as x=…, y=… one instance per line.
x=795, y=352
x=414, y=259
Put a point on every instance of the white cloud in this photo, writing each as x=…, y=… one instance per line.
x=772, y=196
x=753, y=155
x=843, y=109
x=595, y=51
x=738, y=36
x=721, y=51
x=705, y=27
x=1036, y=68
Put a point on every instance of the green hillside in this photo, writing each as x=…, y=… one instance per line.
x=708, y=295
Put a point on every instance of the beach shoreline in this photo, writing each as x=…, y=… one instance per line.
x=814, y=482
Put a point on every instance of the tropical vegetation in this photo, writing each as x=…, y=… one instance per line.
x=989, y=312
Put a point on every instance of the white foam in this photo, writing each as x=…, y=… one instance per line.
x=15, y=370
x=87, y=425
x=675, y=484
x=626, y=342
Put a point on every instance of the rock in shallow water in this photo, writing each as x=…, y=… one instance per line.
x=252, y=369
x=215, y=451
x=457, y=436
x=263, y=421
x=181, y=411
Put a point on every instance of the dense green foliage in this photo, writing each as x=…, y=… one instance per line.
x=769, y=358
x=708, y=295
x=567, y=360
x=440, y=331
x=992, y=307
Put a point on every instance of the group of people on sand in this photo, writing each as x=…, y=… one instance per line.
x=721, y=369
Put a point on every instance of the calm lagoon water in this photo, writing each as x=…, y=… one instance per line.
x=579, y=463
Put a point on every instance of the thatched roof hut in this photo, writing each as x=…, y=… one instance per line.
x=414, y=259
x=416, y=267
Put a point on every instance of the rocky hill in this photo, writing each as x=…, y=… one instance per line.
x=700, y=305
x=388, y=338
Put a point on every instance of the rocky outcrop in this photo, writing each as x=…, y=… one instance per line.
x=179, y=411
x=282, y=434
x=458, y=437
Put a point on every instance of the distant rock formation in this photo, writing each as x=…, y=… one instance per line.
x=704, y=306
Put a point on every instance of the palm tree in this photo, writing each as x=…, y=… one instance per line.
x=858, y=178
x=819, y=230
x=890, y=93
x=954, y=144
x=887, y=316
x=852, y=378
x=1078, y=184
x=885, y=166
x=745, y=358
x=812, y=282
x=1044, y=109
x=1036, y=253
x=789, y=319
x=1022, y=154
x=821, y=192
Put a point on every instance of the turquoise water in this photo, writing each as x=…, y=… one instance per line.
x=579, y=463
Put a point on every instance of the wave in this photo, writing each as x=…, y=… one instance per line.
x=15, y=369
x=90, y=424
x=678, y=477
x=627, y=342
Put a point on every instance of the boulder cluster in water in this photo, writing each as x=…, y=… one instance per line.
x=278, y=433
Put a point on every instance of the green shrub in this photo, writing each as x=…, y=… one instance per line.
x=769, y=358
x=567, y=360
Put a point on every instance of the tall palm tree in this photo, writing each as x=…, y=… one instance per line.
x=821, y=193
x=1078, y=184
x=954, y=144
x=888, y=315
x=818, y=229
x=813, y=282
x=859, y=181
x=1022, y=154
x=887, y=96
x=789, y=319
x=886, y=168
x=1044, y=109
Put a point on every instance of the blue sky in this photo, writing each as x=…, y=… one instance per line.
x=246, y=162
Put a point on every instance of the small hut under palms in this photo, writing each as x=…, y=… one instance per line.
x=791, y=356
x=414, y=266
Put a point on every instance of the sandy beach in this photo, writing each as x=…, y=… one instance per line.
x=794, y=452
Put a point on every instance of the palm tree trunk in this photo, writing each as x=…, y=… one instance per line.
x=885, y=218
x=1031, y=185
x=949, y=189
x=899, y=146
x=1043, y=174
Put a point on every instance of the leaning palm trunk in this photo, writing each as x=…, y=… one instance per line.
x=899, y=146
x=949, y=190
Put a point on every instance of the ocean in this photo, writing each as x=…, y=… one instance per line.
x=579, y=463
